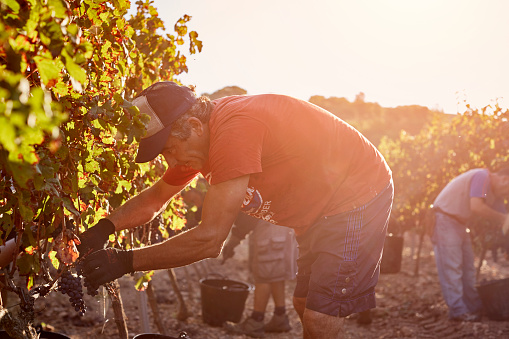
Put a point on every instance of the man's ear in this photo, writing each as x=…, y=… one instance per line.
x=196, y=125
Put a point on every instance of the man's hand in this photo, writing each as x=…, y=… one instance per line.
x=229, y=248
x=95, y=238
x=106, y=265
x=227, y=252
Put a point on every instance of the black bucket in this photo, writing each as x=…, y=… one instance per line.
x=182, y=335
x=223, y=300
x=393, y=252
x=495, y=298
x=43, y=335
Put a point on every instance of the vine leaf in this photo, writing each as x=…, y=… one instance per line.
x=142, y=282
x=65, y=246
x=48, y=70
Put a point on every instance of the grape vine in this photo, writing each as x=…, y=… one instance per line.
x=68, y=69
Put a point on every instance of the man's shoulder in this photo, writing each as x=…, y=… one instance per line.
x=477, y=176
x=480, y=179
x=475, y=172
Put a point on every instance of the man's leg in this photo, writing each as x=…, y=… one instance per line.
x=279, y=321
x=470, y=296
x=299, y=304
x=339, y=266
x=278, y=293
x=449, y=260
x=318, y=325
x=261, y=297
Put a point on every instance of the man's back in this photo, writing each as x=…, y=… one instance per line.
x=303, y=161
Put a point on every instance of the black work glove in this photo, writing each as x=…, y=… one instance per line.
x=106, y=265
x=229, y=248
x=96, y=237
x=228, y=252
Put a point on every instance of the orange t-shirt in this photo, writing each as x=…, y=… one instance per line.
x=304, y=162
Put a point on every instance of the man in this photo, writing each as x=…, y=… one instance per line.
x=477, y=192
x=274, y=157
x=272, y=261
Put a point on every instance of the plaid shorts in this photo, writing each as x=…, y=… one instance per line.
x=339, y=258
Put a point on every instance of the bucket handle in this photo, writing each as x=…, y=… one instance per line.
x=238, y=287
x=210, y=275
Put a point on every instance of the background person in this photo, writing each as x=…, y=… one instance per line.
x=274, y=157
x=477, y=192
x=272, y=261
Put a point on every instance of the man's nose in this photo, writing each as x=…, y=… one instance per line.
x=172, y=162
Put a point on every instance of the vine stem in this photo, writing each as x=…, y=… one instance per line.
x=7, y=288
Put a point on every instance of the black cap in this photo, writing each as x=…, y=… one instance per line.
x=164, y=102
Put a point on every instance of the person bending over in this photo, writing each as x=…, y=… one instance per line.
x=274, y=157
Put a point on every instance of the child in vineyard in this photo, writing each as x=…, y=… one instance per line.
x=273, y=157
x=272, y=261
x=477, y=192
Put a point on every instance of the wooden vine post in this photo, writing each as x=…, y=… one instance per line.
x=118, y=309
x=155, y=309
x=182, y=313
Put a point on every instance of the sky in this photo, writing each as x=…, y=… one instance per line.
x=435, y=53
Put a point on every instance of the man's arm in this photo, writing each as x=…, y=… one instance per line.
x=221, y=207
x=135, y=212
x=479, y=207
x=144, y=207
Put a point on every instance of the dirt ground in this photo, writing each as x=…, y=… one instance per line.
x=409, y=306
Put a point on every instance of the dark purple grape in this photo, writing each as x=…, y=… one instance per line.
x=71, y=285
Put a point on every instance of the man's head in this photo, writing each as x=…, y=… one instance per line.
x=500, y=182
x=173, y=111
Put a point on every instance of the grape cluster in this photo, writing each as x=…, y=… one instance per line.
x=71, y=285
x=91, y=290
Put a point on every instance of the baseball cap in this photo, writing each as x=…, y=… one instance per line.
x=164, y=102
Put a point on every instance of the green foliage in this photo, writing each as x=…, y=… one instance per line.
x=68, y=70
x=143, y=280
x=423, y=164
x=375, y=121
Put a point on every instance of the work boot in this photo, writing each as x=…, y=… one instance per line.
x=248, y=327
x=278, y=323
